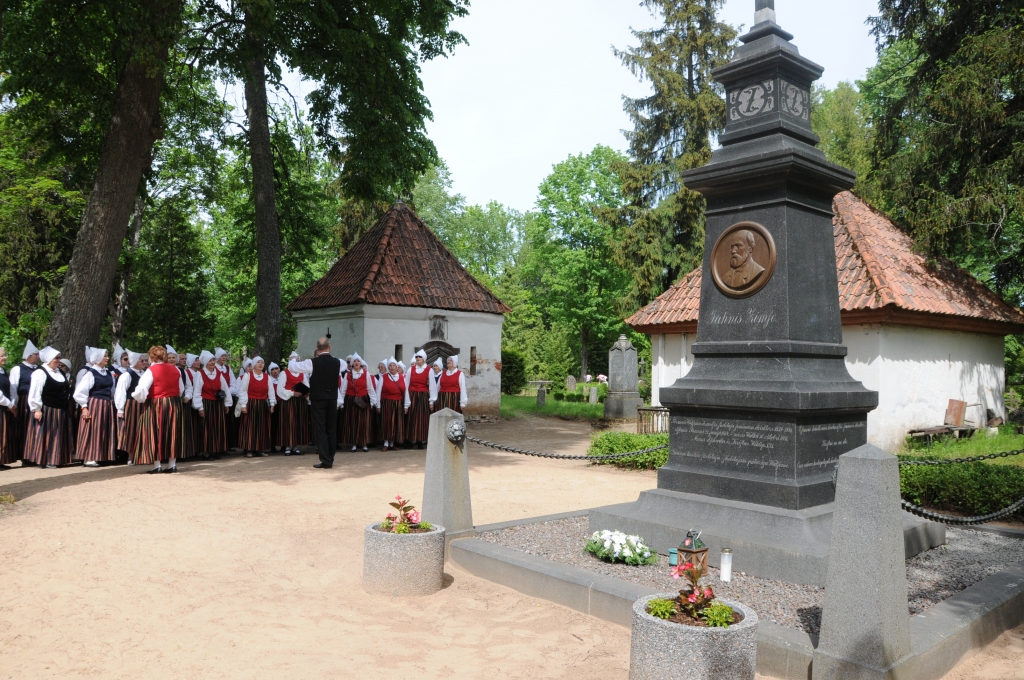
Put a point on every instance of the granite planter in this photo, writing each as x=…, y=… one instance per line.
x=662, y=650
x=399, y=565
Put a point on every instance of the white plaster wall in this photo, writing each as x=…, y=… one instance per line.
x=916, y=371
x=374, y=330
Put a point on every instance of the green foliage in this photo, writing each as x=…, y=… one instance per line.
x=513, y=407
x=661, y=223
x=969, y=489
x=717, y=615
x=426, y=525
x=513, y=372
x=978, y=445
x=608, y=443
x=1014, y=352
x=840, y=118
x=662, y=609
x=402, y=528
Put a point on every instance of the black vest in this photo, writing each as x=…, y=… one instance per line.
x=323, y=382
x=56, y=394
x=5, y=384
x=102, y=385
x=25, y=379
x=133, y=382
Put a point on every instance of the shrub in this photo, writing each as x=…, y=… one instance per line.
x=967, y=488
x=513, y=372
x=661, y=609
x=623, y=442
x=602, y=391
x=558, y=396
x=717, y=615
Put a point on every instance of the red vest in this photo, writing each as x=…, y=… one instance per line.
x=258, y=388
x=291, y=381
x=226, y=373
x=418, y=381
x=211, y=385
x=450, y=383
x=393, y=390
x=166, y=379
x=358, y=387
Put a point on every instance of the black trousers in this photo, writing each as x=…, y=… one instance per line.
x=324, y=414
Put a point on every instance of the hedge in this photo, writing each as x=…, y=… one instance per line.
x=513, y=372
x=966, y=488
x=624, y=442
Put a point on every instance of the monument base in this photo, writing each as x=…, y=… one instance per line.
x=622, y=405
x=775, y=543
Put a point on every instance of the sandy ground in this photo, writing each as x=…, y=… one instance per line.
x=251, y=568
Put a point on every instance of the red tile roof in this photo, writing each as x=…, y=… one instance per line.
x=881, y=280
x=400, y=262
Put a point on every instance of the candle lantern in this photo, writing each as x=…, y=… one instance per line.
x=693, y=550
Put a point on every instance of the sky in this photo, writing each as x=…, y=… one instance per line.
x=538, y=81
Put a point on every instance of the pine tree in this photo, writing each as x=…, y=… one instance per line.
x=661, y=229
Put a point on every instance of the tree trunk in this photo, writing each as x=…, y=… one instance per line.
x=268, y=233
x=119, y=302
x=134, y=126
x=584, y=337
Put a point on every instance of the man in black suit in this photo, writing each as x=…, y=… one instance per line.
x=324, y=372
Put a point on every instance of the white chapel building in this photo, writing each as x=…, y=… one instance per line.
x=919, y=333
x=397, y=290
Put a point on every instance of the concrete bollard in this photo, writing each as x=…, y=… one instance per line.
x=865, y=623
x=446, y=499
x=593, y=395
x=542, y=397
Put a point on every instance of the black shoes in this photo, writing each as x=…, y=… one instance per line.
x=321, y=466
x=169, y=470
x=154, y=471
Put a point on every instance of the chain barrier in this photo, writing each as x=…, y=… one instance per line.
x=954, y=461
x=610, y=456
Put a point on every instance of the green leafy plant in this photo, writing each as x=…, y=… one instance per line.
x=426, y=525
x=663, y=609
x=513, y=372
x=623, y=442
x=408, y=518
x=695, y=598
x=717, y=615
x=401, y=528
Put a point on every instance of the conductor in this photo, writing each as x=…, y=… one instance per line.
x=324, y=379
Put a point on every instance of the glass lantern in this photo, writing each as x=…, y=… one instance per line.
x=693, y=550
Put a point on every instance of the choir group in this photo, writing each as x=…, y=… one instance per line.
x=161, y=407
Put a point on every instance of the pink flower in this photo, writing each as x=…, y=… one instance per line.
x=414, y=516
x=677, y=571
x=707, y=593
x=692, y=598
x=688, y=566
x=398, y=498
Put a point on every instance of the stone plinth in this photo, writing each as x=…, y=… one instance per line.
x=446, y=497
x=400, y=565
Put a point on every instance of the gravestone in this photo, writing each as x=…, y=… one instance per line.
x=541, y=396
x=446, y=496
x=570, y=384
x=593, y=395
x=758, y=423
x=623, y=398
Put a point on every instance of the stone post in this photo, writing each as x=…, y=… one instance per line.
x=623, y=398
x=446, y=498
x=541, y=396
x=865, y=623
x=593, y=395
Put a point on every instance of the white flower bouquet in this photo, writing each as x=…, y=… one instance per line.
x=615, y=546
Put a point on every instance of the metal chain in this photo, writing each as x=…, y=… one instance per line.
x=962, y=521
x=954, y=461
x=524, y=452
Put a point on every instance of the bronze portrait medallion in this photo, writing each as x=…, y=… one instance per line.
x=743, y=259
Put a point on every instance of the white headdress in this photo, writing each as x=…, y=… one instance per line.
x=401, y=366
x=273, y=366
x=343, y=366
x=293, y=355
x=30, y=349
x=392, y=360
x=246, y=364
x=439, y=363
x=218, y=352
x=355, y=357
x=96, y=355
x=118, y=352
x=420, y=353
x=455, y=360
x=257, y=359
x=170, y=350
x=47, y=354
x=190, y=359
x=204, y=357
x=133, y=358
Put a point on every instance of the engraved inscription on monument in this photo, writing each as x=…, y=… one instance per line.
x=752, y=100
x=796, y=101
x=743, y=259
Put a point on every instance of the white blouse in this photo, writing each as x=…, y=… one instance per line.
x=283, y=393
x=85, y=382
x=121, y=390
x=392, y=378
x=432, y=386
x=463, y=400
x=197, y=388
x=243, y=388
x=372, y=393
x=146, y=382
x=35, y=390
x=9, y=400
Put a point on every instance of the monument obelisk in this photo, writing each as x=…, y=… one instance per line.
x=759, y=422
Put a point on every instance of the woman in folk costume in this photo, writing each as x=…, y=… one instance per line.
x=418, y=380
x=230, y=421
x=9, y=451
x=436, y=369
x=274, y=371
x=49, y=440
x=358, y=397
x=257, y=399
x=452, y=387
x=292, y=389
x=94, y=393
x=192, y=383
x=129, y=410
x=21, y=379
x=377, y=380
x=188, y=437
x=393, y=402
x=159, y=390
x=211, y=399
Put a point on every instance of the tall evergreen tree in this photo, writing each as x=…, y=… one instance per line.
x=661, y=229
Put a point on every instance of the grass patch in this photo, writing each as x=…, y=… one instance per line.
x=978, y=445
x=513, y=407
x=624, y=442
x=6, y=499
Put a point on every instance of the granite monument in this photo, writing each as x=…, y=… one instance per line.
x=623, y=398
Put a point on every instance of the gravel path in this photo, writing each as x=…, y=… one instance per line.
x=968, y=557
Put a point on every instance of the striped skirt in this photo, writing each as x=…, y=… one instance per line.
x=231, y=427
x=97, y=437
x=358, y=423
x=392, y=420
x=9, y=450
x=188, y=437
x=23, y=424
x=213, y=433
x=452, y=400
x=159, y=431
x=418, y=421
x=294, y=427
x=128, y=430
x=254, y=426
x=49, y=439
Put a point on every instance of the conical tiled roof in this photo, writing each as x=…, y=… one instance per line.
x=881, y=280
x=400, y=262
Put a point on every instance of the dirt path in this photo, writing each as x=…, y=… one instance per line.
x=251, y=568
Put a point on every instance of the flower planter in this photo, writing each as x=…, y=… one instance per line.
x=399, y=565
x=662, y=649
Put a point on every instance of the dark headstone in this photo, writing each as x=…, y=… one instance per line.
x=541, y=396
x=623, y=398
x=570, y=384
